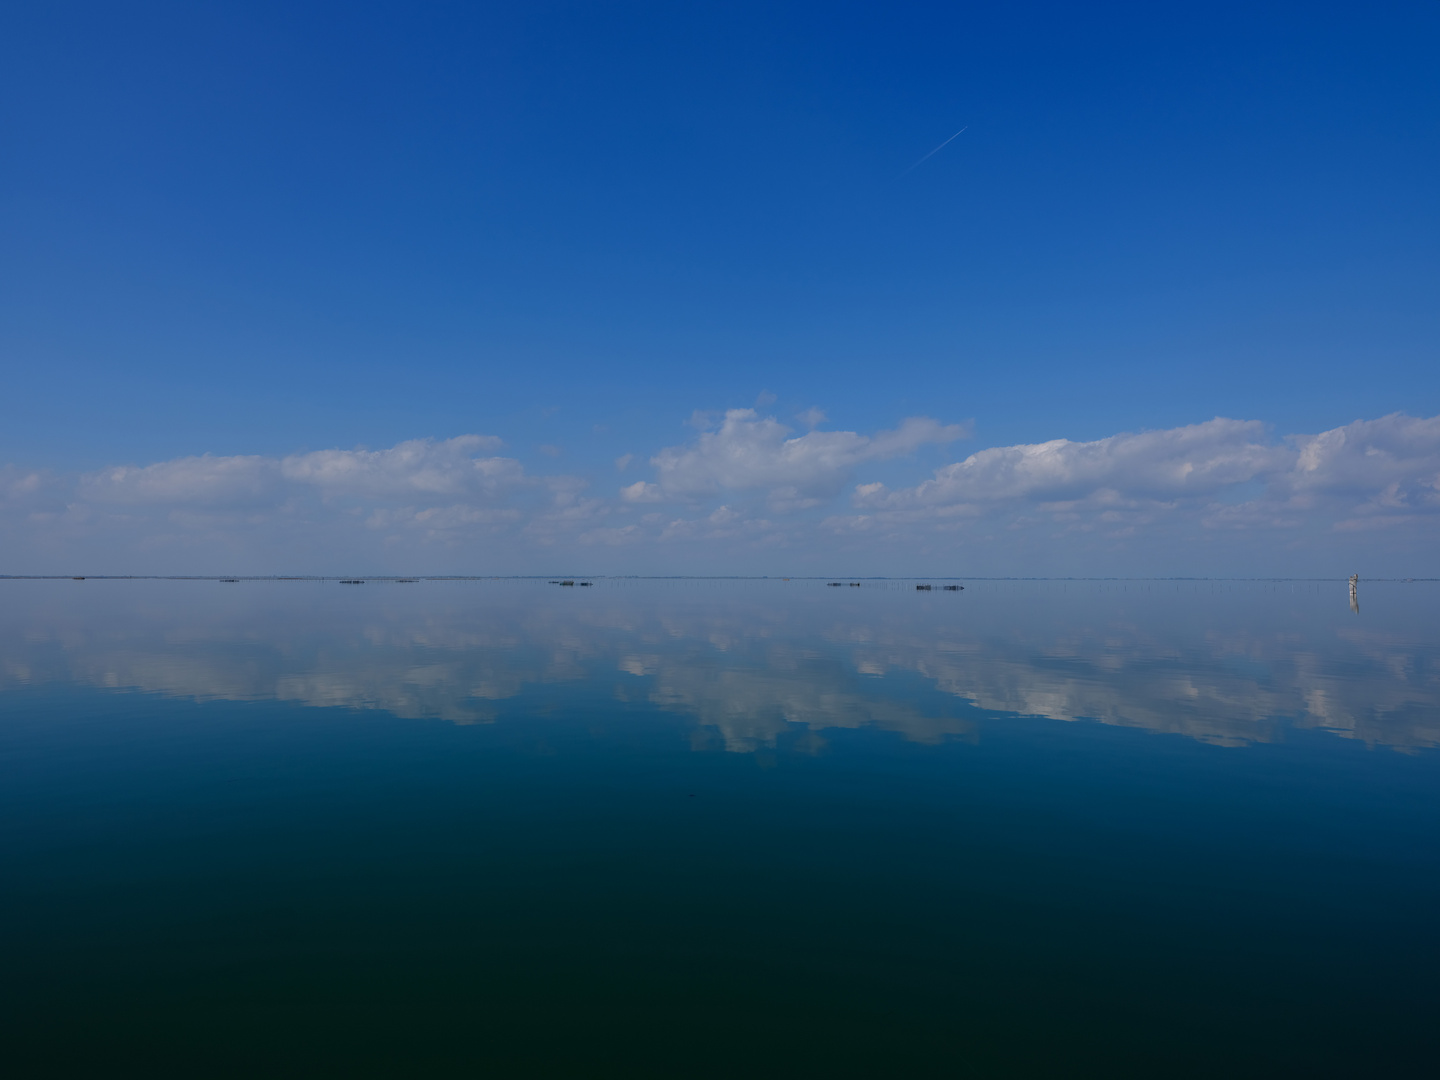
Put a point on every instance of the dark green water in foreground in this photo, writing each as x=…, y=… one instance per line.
x=718, y=829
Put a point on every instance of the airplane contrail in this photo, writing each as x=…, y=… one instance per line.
x=932, y=153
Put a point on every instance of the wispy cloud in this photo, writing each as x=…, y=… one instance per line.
x=19, y=485
x=421, y=467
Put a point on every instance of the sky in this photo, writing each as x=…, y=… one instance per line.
x=674, y=288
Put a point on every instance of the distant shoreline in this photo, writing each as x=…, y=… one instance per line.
x=411, y=578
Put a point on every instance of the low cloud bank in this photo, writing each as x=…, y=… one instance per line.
x=420, y=467
x=1372, y=474
x=753, y=493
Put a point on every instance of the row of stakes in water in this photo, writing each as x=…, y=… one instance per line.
x=918, y=588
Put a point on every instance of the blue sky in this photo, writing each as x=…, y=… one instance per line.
x=580, y=232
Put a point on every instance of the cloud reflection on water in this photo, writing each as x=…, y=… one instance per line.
x=755, y=664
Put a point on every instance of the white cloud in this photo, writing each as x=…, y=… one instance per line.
x=1153, y=501
x=641, y=492
x=749, y=452
x=1157, y=465
x=203, y=480
x=1385, y=470
x=722, y=523
x=20, y=485
x=318, y=505
x=419, y=467
x=1391, y=464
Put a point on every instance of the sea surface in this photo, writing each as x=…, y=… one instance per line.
x=719, y=828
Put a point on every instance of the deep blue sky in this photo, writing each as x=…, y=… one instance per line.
x=259, y=228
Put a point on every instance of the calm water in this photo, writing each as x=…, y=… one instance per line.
x=695, y=828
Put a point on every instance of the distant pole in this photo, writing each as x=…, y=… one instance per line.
x=1355, y=593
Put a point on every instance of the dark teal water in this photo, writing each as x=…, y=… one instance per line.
x=718, y=829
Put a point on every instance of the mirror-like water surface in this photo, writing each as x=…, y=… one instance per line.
x=713, y=827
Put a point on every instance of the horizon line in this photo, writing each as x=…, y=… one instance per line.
x=408, y=578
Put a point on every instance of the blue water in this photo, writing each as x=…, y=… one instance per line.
x=715, y=828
